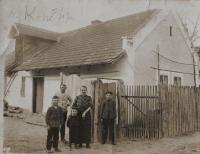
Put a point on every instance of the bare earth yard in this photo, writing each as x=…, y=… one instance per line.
x=27, y=138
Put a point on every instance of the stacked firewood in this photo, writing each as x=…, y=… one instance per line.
x=12, y=111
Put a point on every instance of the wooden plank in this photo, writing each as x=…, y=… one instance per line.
x=130, y=116
x=138, y=96
x=169, y=110
x=198, y=106
x=162, y=100
x=140, y=116
x=148, y=119
x=185, y=103
x=194, y=114
x=179, y=112
x=135, y=114
x=132, y=112
x=190, y=108
x=142, y=107
x=127, y=111
x=136, y=111
x=155, y=114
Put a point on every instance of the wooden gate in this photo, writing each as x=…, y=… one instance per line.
x=140, y=112
x=152, y=111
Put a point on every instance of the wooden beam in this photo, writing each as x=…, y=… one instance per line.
x=136, y=107
x=147, y=97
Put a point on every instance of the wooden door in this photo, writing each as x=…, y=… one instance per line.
x=98, y=94
x=38, y=92
x=100, y=89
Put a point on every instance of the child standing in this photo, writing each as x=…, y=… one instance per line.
x=54, y=119
x=73, y=123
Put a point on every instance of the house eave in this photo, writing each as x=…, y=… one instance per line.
x=110, y=62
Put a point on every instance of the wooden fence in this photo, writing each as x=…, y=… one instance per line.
x=180, y=109
x=154, y=112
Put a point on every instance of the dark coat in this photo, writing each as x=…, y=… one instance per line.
x=74, y=120
x=108, y=109
x=54, y=116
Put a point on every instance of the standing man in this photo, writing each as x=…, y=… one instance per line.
x=108, y=116
x=64, y=102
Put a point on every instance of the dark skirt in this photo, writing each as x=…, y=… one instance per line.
x=74, y=129
x=74, y=136
x=86, y=129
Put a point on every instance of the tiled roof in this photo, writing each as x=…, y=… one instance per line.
x=34, y=31
x=99, y=43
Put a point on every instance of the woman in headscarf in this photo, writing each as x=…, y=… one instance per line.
x=84, y=103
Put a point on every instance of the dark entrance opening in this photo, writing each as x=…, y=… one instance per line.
x=38, y=92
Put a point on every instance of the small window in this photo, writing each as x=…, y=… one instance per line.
x=164, y=79
x=170, y=30
x=22, y=91
x=177, y=81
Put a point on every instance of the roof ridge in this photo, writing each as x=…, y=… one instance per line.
x=126, y=16
x=36, y=27
x=111, y=20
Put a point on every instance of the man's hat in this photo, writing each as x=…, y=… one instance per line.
x=108, y=92
x=55, y=97
x=75, y=107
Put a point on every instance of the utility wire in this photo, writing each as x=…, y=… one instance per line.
x=174, y=61
x=173, y=71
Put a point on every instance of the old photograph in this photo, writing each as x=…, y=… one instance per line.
x=100, y=76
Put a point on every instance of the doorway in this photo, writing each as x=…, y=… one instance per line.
x=38, y=92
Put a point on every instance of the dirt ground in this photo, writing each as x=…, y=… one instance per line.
x=21, y=137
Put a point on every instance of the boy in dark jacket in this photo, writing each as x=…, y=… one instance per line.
x=108, y=116
x=73, y=123
x=54, y=119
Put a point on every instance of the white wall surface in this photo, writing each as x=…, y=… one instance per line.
x=1, y=100
x=73, y=82
x=14, y=97
x=172, y=47
x=51, y=86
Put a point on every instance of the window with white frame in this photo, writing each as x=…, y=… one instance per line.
x=177, y=81
x=164, y=79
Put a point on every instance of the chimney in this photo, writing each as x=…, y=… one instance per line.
x=94, y=22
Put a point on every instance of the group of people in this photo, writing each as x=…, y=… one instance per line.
x=76, y=115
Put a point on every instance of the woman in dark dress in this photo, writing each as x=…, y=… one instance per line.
x=84, y=103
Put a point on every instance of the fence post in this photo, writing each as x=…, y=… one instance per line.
x=196, y=106
x=119, y=128
x=160, y=100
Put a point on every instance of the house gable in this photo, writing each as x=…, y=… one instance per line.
x=171, y=46
x=27, y=47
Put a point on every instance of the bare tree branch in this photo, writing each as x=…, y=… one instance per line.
x=196, y=38
x=195, y=29
x=194, y=34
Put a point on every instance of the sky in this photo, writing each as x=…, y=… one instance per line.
x=65, y=15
